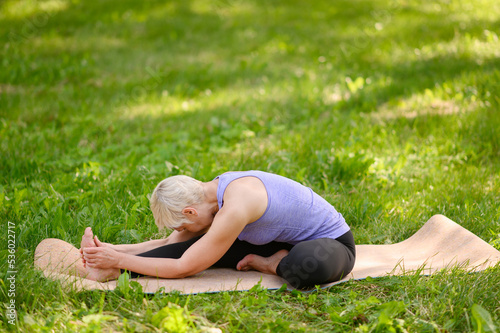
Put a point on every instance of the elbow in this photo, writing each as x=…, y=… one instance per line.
x=182, y=275
x=183, y=269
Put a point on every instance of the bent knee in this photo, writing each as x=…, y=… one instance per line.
x=309, y=264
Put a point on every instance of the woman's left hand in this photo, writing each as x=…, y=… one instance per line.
x=101, y=257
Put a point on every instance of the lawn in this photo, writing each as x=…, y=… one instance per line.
x=387, y=108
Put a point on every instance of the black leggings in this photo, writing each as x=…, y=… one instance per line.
x=307, y=264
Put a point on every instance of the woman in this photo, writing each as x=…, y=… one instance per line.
x=244, y=220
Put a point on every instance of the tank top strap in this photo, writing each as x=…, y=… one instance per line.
x=225, y=179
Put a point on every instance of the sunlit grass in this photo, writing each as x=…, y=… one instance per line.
x=29, y=8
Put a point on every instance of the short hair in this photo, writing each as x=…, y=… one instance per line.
x=171, y=196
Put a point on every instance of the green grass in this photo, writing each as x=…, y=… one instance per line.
x=389, y=109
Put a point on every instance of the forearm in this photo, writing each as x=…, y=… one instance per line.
x=140, y=247
x=174, y=237
x=158, y=267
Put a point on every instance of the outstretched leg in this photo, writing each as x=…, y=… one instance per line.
x=57, y=256
x=247, y=254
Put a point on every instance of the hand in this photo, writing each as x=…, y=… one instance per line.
x=101, y=257
x=83, y=259
x=87, y=243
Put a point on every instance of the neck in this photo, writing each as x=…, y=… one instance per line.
x=210, y=191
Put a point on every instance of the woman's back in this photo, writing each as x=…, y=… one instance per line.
x=294, y=213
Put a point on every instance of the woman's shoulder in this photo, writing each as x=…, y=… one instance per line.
x=246, y=196
x=245, y=185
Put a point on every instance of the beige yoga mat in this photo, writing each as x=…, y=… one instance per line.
x=439, y=244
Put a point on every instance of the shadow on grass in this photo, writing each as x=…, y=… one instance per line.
x=194, y=49
x=68, y=81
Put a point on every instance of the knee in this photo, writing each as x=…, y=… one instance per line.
x=307, y=275
x=310, y=264
x=302, y=270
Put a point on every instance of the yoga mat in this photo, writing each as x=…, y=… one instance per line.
x=439, y=244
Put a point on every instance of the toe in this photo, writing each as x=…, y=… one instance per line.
x=87, y=238
x=88, y=232
x=245, y=263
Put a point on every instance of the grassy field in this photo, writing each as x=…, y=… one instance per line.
x=389, y=109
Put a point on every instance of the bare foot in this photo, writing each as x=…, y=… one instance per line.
x=102, y=275
x=87, y=241
x=96, y=274
x=262, y=264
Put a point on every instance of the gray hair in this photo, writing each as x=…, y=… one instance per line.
x=171, y=196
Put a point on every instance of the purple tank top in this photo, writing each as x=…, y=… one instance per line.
x=294, y=212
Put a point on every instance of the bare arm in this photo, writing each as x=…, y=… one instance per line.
x=201, y=255
x=174, y=237
x=244, y=202
x=139, y=247
x=242, y=205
